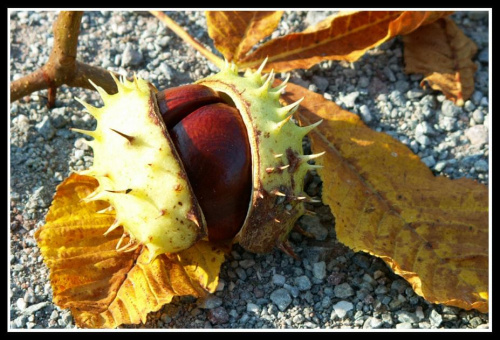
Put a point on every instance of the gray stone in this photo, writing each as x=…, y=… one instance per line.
x=241, y=273
x=54, y=315
x=163, y=41
x=342, y=307
x=484, y=55
x=435, y=318
x=281, y=298
x=429, y=161
x=29, y=296
x=218, y=316
x=167, y=71
x=481, y=166
x=469, y=106
x=321, y=82
x=404, y=316
x=423, y=128
x=59, y=117
x=402, y=86
x=21, y=122
x=440, y=166
x=326, y=302
x=298, y=319
x=397, y=98
x=313, y=88
x=399, y=285
x=253, y=308
x=381, y=289
x=349, y=99
x=363, y=81
x=245, y=264
x=365, y=113
x=477, y=135
x=292, y=290
x=314, y=17
x=414, y=93
x=118, y=59
x=131, y=56
x=33, y=308
x=423, y=140
x=278, y=280
x=476, y=97
x=312, y=224
x=372, y=322
x=419, y=313
x=449, y=109
x=478, y=116
x=447, y=123
x=319, y=270
x=20, y=321
x=389, y=74
x=404, y=325
x=475, y=321
x=478, y=15
x=210, y=302
x=303, y=283
x=343, y=290
x=361, y=260
x=45, y=128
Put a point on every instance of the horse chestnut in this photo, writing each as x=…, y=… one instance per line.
x=219, y=158
x=213, y=145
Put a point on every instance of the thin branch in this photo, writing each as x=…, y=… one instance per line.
x=62, y=68
x=188, y=39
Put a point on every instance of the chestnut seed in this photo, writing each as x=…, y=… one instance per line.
x=177, y=102
x=213, y=145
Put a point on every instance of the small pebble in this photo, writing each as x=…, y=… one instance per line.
x=281, y=298
x=319, y=270
x=343, y=290
x=477, y=135
x=278, y=280
x=435, y=318
x=342, y=307
x=303, y=283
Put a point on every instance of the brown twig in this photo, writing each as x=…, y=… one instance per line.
x=187, y=38
x=62, y=68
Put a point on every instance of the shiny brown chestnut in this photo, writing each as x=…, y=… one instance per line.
x=211, y=140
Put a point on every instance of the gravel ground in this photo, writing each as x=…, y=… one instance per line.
x=331, y=287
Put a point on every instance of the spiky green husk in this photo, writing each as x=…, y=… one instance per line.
x=278, y=163
x=140, y=174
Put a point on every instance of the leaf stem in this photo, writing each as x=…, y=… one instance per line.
x=181, y=33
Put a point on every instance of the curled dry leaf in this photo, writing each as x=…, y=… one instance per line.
x=235, y=32
x=345, y=36
x=433, y=231
x=105, y=288
x=443, y=53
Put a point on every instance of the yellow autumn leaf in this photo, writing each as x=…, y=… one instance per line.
x=105, y=288
x=443, y=53
x=433, y=231
x=346, y=36
x=235, y=32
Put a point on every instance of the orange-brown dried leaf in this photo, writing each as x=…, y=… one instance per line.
x=345, y=36
x=443, y=54
x=433, y=231
x=149, y=286
x=235, y=32
x=105, y=288
x=84, y=266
